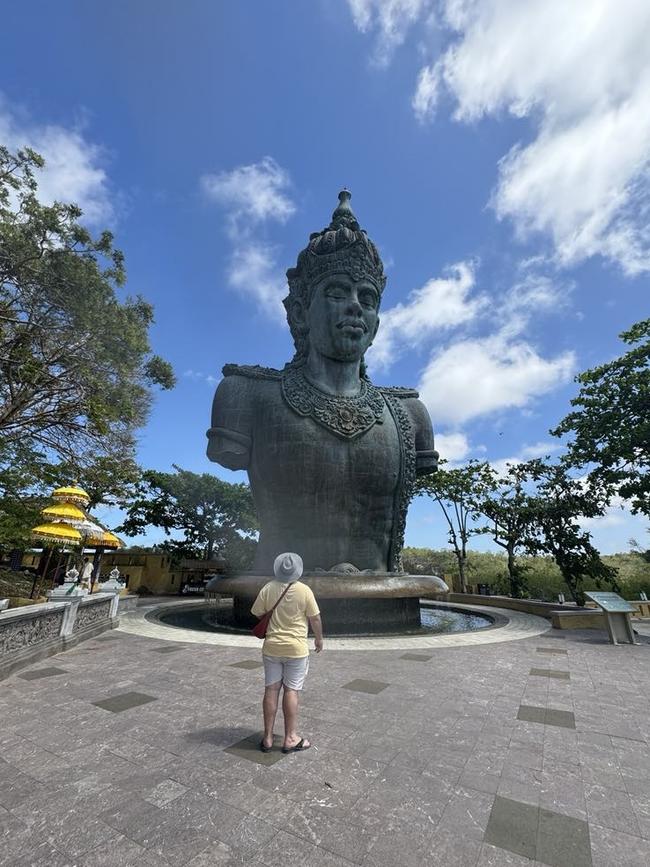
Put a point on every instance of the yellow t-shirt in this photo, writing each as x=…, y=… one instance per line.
x=287, y=631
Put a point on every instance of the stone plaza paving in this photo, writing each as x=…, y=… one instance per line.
x=133, y=750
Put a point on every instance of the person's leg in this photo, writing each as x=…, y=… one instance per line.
x=272, y=684
x=290, y=711
x=293, y=678
x=270, y=709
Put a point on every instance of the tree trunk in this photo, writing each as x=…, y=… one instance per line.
x=514, y=574
x=460, y=557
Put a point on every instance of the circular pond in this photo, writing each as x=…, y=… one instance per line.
x=434, y=620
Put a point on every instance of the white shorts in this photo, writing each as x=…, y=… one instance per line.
x=288, y=670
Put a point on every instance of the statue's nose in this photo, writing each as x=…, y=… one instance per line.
x=354, y=307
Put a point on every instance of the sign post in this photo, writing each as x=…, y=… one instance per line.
x=617, y=615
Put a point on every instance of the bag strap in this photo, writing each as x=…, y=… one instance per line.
x=279, y=600
x=269, y=614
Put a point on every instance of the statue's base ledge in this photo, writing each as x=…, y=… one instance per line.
x=343, y=585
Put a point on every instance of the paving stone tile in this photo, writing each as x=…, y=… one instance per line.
x=492, y=856
x=166, y=649
x=611, y=808
x=247, y=663
x=372, y=687
x=402, y=847
x=43, y=855
x=613, y=849
x=641, y=807
x=513, y=826
x=38, y=673
x=550, y=672
x=417, y=657
x=530, y=713
x=557, y=650
x=467, y=813
x=121, y=852
x=165, y=792
x=483, y=782
x=249, y=748
x=562, y=841
x=339, y=837
x=527, y=756
x=178, y=845
x=125, y=701
x=285, y=850
x=217, y=854
x=137, y=820
x=74, y=838
x=562, y=718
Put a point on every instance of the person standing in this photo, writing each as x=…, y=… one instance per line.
x=285, y=651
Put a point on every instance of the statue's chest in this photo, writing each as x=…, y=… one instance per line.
x=299, y=453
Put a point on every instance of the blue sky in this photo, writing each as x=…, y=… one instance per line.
x=497, y=153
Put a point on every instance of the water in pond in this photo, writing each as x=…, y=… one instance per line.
x=433, y=620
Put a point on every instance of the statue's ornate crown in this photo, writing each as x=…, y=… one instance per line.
x=342, y=247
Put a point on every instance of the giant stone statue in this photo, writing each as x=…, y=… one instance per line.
x=331, y=457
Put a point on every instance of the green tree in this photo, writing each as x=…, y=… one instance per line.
x=76, y=368
x=213, y=516
x=610, y=427
x=511, y=510
x=457, y=492
x=562, y=501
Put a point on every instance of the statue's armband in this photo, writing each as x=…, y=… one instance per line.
x=426, y=457
x=230, y=436
x=229, y=448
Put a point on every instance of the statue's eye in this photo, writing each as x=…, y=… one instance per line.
x=368, y=299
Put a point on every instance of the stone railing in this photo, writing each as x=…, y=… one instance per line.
x=33, y=632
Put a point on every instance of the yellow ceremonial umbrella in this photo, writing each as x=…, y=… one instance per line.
x=66, y=512
x=110, y=540
x=72, y=494
x=57, y=532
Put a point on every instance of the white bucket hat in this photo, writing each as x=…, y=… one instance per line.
x=288, y=567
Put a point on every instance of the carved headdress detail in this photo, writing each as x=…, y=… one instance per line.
x=342, y=247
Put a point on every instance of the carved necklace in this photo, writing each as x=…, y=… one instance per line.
x=348, y=417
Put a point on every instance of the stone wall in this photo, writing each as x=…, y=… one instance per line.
x=34, y=632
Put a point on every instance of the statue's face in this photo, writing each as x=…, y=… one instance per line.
x=343, y=317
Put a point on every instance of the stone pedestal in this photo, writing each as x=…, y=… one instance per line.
x=351, y=603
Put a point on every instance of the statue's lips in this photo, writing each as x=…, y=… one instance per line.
x=354, y=326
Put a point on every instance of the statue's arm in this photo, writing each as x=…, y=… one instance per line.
x=230, y=434
x=425, y=454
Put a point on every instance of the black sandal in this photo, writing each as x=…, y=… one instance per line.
x=298, y=748
x=264, y=748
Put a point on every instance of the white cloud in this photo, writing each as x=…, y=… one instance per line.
x=72, y=172
x=535, y=450
x=534, y=293
x=198, y=375
x=254, y=272
x=251, y=194
x=391, y=18
x=441, y=303
x=471, y=378
x=581, y=72
x=453, y=446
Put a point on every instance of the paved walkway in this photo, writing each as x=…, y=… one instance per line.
x=130, y=750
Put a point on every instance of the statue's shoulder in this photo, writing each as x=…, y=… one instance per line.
x=399, y=391
x=252, y=371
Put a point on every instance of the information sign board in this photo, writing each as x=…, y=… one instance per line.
x=610, y=601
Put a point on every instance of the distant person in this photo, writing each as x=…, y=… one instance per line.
x=87, y=571
x=285, y=651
